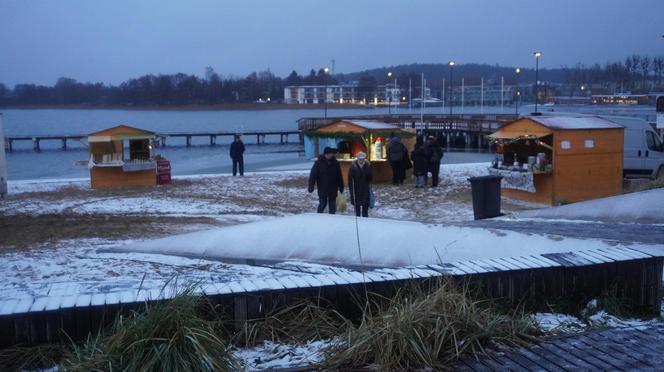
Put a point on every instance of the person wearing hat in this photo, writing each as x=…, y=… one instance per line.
x=434, y=154
x=359, y=183
x=326, y=176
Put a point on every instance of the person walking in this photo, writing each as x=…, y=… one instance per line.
x=434, y=153
x=359, y=183
x=396, y=153
x=420, y=165
x=326, y=176
x=237, y=156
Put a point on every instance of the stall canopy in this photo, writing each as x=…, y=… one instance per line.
x=541, y=126
x=119, y=133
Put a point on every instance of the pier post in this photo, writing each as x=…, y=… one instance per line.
x=64, y=143
x=188, y=141
x=163, y=141
x=479, y=141
x=213, y=140
x=301, y=138
x=281, y=138
x=35, y=144
x=9, y=144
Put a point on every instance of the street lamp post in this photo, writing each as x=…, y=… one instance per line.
x=516, y=92
x=388, y=96
x=325, y=70
x=537, y=56
x=449, y=94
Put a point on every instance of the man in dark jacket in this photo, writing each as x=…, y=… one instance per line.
x=396, y=154
x=237, y=155
x=359, y=182
x=420, y=165
x=434, y=153
x=326, y=174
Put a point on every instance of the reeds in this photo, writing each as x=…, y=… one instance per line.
x=169, y=336
x=419, y=329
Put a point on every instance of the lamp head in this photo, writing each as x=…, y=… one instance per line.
x=389, y=74
x=325, y=69
x=537, y=54
x=451, y=63
x=518, y=70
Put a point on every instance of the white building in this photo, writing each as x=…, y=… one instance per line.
x=313, y=94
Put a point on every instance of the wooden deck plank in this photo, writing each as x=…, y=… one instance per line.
x=508, y=264
x=39, y=304
x=23, y=305
x=592, y=355
x=98, y=299
x=513, y=263
x=8, y=306
x=633, y=358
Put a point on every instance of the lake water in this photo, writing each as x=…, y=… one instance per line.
x=200, y=158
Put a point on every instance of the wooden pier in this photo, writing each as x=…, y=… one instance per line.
x=160, y=138
x=632, y=274
x=259, y=135
x=455, y=130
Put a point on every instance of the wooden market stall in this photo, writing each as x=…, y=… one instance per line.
x=559, y=159
x=353, y=136
x=113, y=165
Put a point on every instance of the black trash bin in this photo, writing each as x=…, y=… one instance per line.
x=486, y=196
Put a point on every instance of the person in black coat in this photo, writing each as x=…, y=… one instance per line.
x=326, y=175
x=396, y=155
x=237, y=155
x=434, y=154
x=359, y=182
x=420, y=165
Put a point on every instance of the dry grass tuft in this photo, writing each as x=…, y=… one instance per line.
x=300, y=322
x=421, y=329
x=169, y=336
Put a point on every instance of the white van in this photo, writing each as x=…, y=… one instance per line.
x=643, y=151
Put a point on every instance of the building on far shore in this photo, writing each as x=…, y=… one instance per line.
x=623, y=99
x=349, y=93
x=315, y=94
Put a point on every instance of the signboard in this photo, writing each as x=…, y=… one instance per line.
x=3, y=163
x=660, y=112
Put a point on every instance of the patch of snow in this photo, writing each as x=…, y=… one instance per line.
x=558, y=323
x=639, y=207
x=271, y=355
x=332, y=239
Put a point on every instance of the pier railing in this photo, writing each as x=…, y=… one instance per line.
x=160, y=138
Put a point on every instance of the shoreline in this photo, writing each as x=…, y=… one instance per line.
x=216, y=107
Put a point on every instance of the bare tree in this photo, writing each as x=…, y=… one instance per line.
x=658, y=69
x=645, y=70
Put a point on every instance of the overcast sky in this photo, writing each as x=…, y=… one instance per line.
x=111, y=41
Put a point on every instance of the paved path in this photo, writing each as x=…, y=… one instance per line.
x=620, y=349
x=622, y=232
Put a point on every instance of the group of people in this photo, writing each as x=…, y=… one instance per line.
x=426, y=159
x=326, y=177
x=326, y=173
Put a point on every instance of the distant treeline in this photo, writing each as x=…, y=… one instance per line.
x=637, y=74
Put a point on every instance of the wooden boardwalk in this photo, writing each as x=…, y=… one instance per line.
x=619, y=349
x=30, y=319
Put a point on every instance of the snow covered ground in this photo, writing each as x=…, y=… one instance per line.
x=351, y=241
x=640, y=207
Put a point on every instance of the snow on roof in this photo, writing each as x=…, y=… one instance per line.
x=333, y=239
x=373, y=125
x=574, y=122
